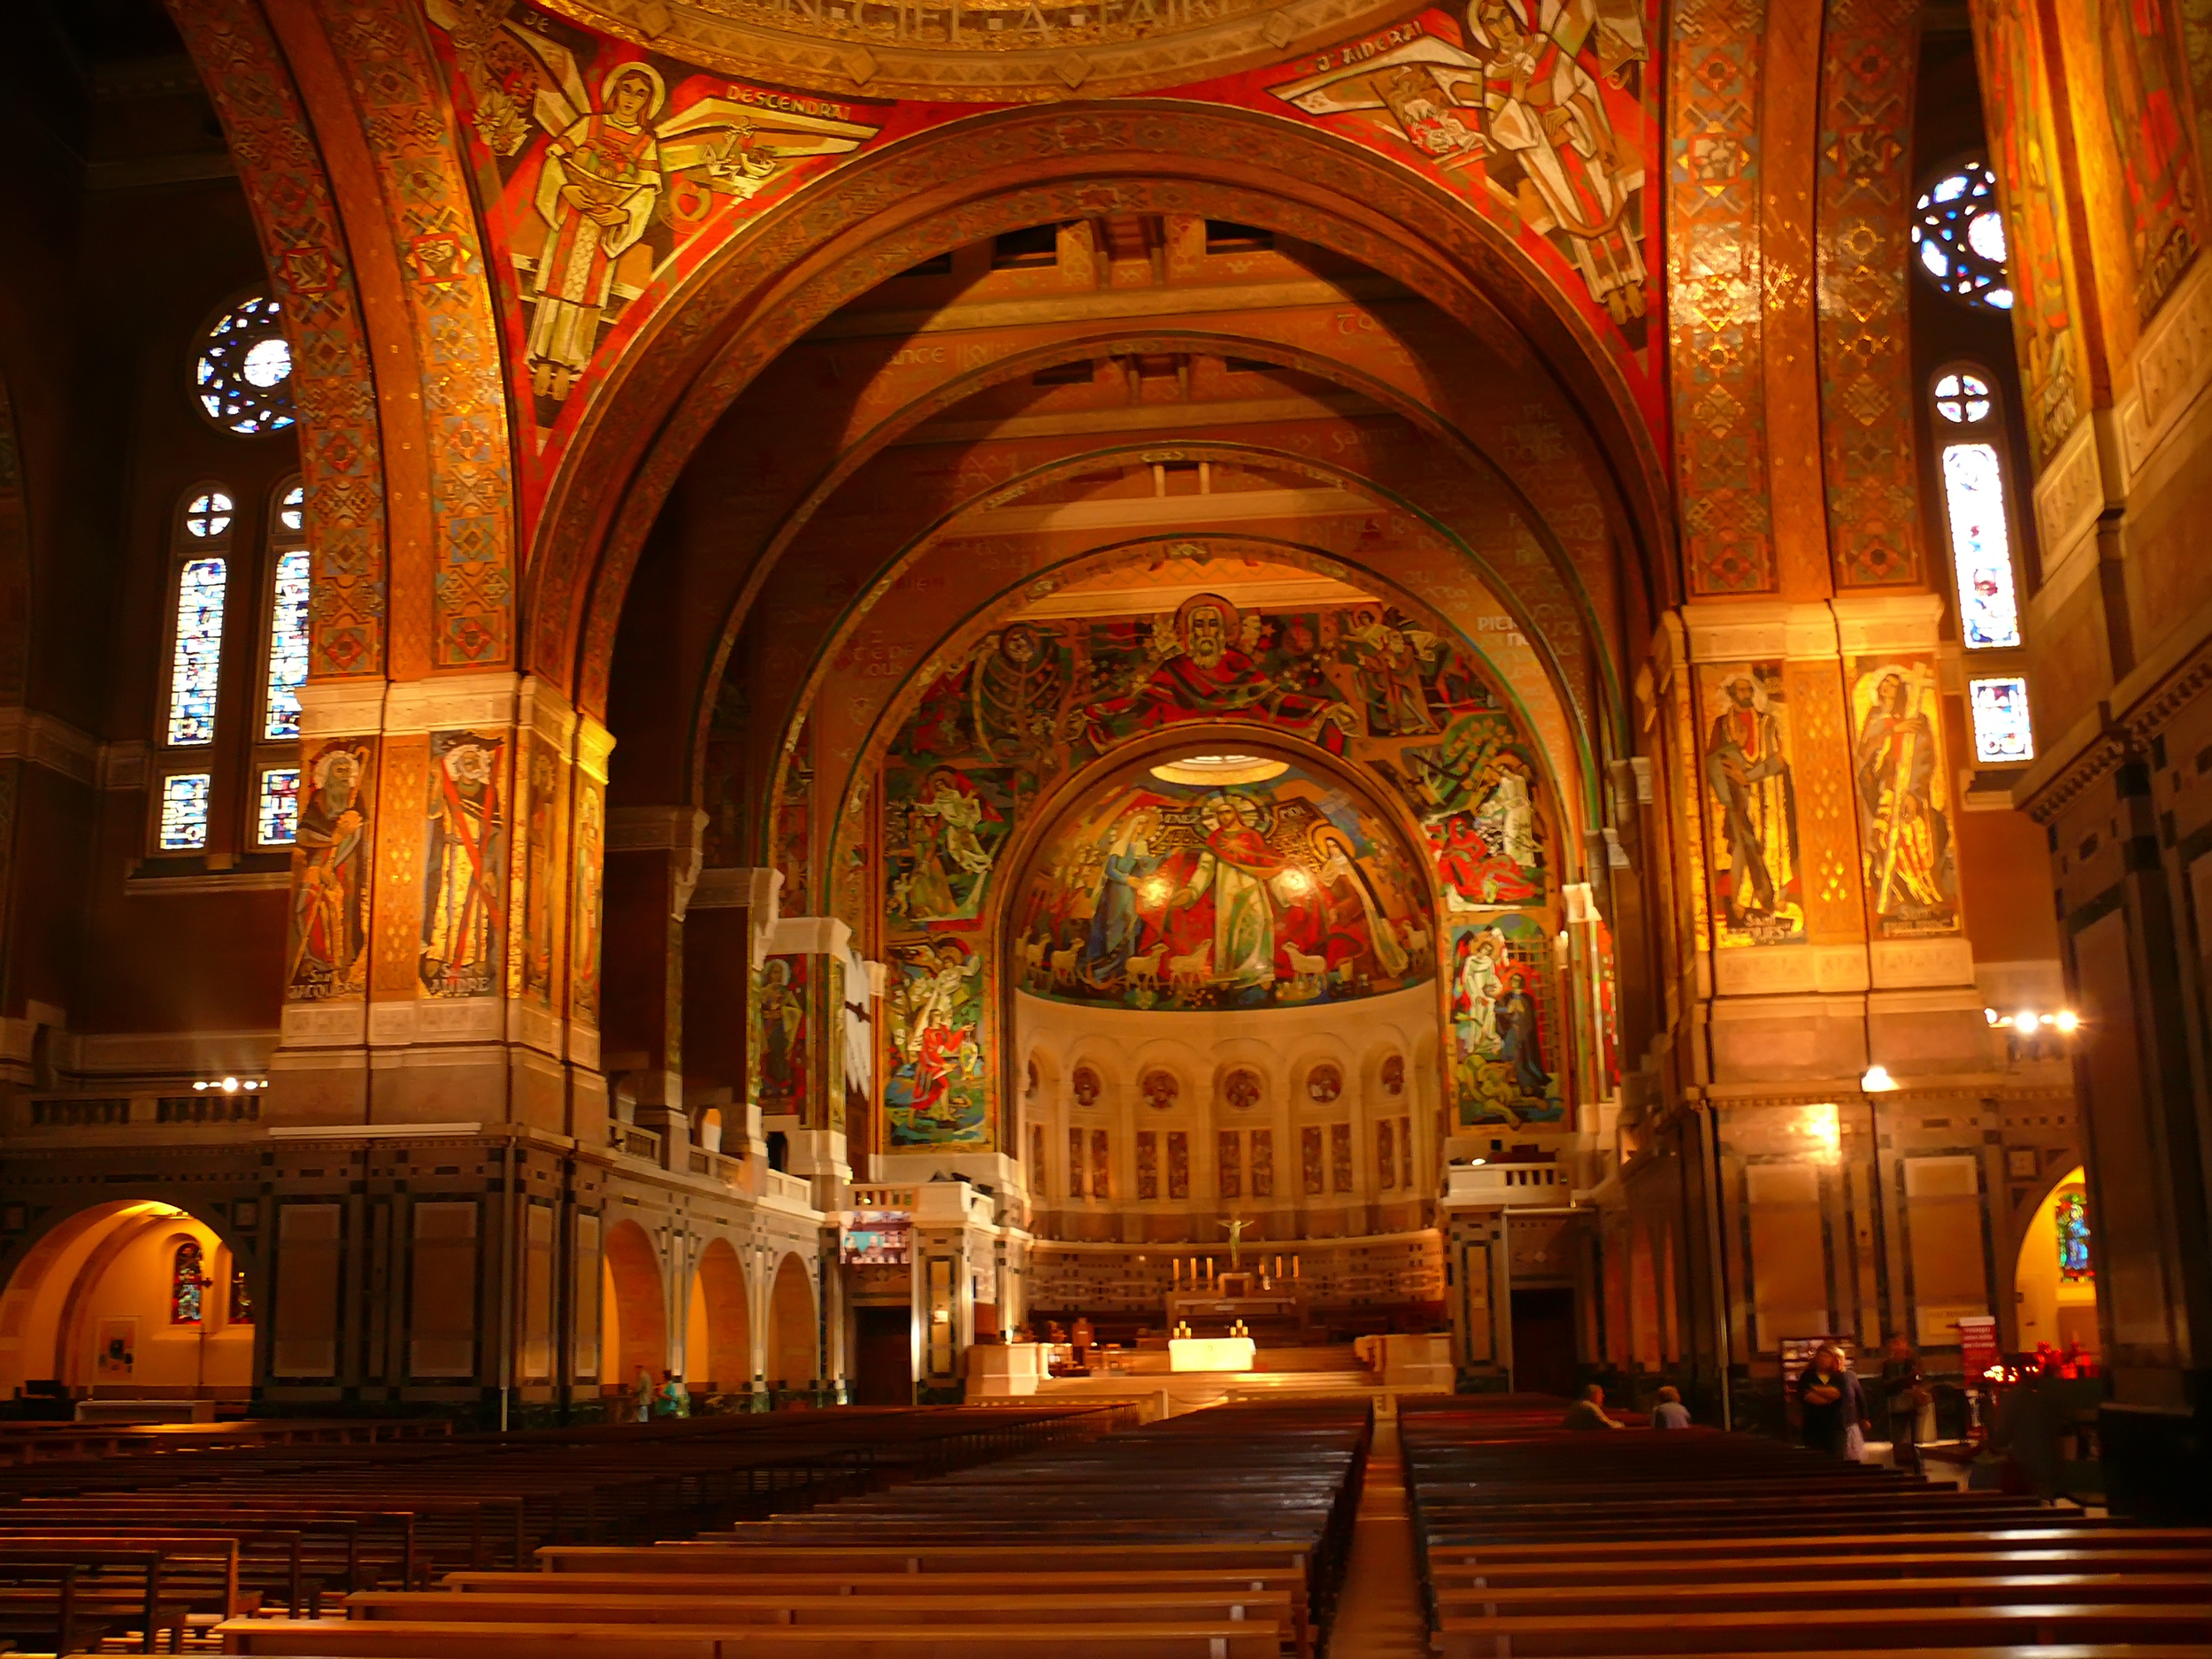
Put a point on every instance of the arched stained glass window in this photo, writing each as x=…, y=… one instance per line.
x=188, y=1284
x=1958, y=237
x=2071, y=1215
x=196, y=653
x=287, y=619
x=242, y=374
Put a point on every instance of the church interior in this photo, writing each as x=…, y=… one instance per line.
x=862, y=777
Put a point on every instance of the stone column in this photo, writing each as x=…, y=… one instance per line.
x=950, y=1249
x=1478, y=1272
x=726, y=928
x=652, y=862
x=442, y=961
x=801, y=1065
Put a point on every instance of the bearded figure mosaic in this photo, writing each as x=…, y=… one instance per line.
x=1271, y=892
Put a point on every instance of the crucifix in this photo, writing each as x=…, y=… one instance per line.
x=1236, y=1241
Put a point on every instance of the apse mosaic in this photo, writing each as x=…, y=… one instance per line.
x=1280, y=892
x=1034, y=700
x=1215, y=881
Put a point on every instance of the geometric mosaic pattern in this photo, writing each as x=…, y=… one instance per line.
x=1864, y=219
x=403, y=107
x=1715, y=297
x=310, y=272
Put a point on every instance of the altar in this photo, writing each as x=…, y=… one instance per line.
x=1211, y=1352
x=1260, y=1304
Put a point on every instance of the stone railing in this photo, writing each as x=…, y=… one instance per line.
x=633, y=1141
x=880, y=1195
x=1508, y=1183
x=790, y=1188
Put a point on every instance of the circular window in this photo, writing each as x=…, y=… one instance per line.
x=1086, y=1086
x=244, y=375
x=1323, y=1084
x=1958, y=237
x=1160, y=1089
x=1241, y=1088
x=1962, y=399
x=208, y=515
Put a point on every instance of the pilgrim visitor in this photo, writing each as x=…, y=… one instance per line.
x=1905, y=1393
x=1589, y=1411
x=1830, y=1401
x=1670, y=1413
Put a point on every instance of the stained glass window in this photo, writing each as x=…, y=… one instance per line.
x=2072, y=1219
x=208, y=517
x=292, y=510
x=198, y=659
x=2002, y=732
x=1963, y=399
x=243, y=374
x=184, y=811
x=1981, y=551
x=277, y=813
x=287, y=645
x=188, y=1285
x=1958, y=237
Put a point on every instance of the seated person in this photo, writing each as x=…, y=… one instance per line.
x=1589, y=1411
x=1670, y=1413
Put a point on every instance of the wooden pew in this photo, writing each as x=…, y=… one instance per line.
x=365, y=1639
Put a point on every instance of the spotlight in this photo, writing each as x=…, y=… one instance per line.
x=230, y=1086
x=1990, y=1014
x=199, y=1086
x=2026, y=1019
x=1877, y=1081
x=2067, y=1021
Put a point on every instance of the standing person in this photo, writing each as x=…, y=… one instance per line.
x=1670, y=1413
x=1829, y=1402
x=1904, y=1393
x=674, y=1399
x=641, y=1395
x=1589, y=1411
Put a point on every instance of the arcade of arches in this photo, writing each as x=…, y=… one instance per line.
x=772, y=695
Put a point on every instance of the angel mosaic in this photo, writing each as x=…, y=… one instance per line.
x=624, y=172
x=1543, y=96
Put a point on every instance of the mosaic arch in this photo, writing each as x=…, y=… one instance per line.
x=1571, y=521
x=764, y=291
x=695, y=141
x=1424, y=555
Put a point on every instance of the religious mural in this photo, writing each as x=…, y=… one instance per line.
x=1752, y=795
x=1904, y=819
x=464, y=865
x=589, y=867
x=330, y=882
x=1186, y=895
x=2146, y=99
x=2010, y=49
x=1539, y=109
x=605, y=171
x=1160, y=893
x=1504, y=1024
x=542, y=804
x=782, y=999
x=935, y=1095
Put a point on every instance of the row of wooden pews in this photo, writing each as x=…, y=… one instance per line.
x=1219, y=1535
x=154, y=1542
x=1540, y=1541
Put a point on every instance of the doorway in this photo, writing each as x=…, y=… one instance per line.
x=1544, y=1357
x=883, y=1356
